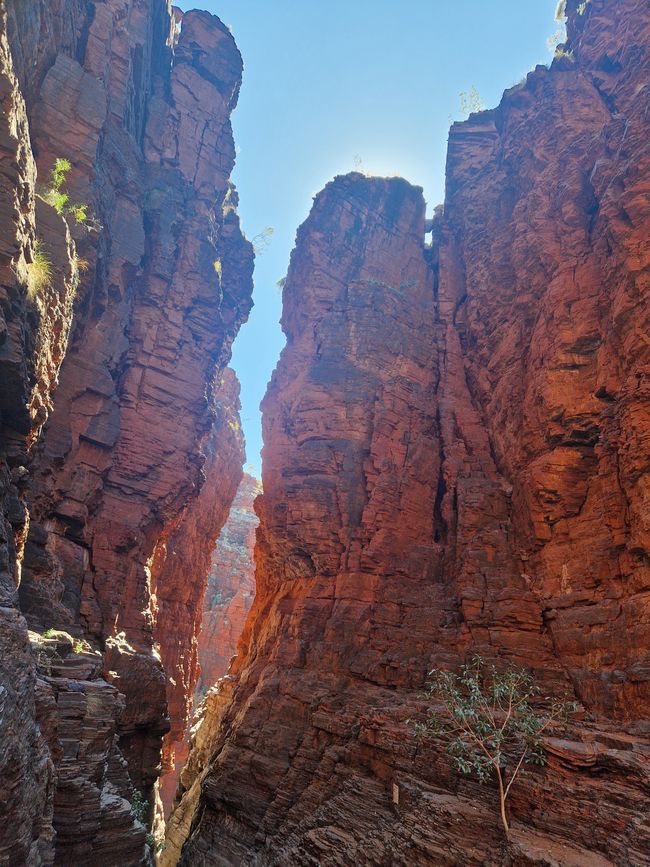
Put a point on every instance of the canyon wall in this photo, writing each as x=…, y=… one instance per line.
x=231, y=588
x=121, y=447
x=456, y=461
x=227, y=601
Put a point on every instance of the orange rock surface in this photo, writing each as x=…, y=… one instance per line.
x=231, y=587
x=117, y=410
x=228, y=598
x=456, y=461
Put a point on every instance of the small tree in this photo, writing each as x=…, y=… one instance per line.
x=471, y=101
x=262, y=240
x=488, y=717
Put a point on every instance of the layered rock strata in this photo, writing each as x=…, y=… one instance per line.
x=456, y=461
x=182, y=563
x=228, y=598
x=130, y=314
x=231, y=587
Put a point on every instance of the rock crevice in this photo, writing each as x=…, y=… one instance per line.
x=455, y=462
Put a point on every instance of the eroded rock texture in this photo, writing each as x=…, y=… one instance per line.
x=117, y=411
x=181, y=566
x=231, y=587
x=228, y=598
x=456, y=461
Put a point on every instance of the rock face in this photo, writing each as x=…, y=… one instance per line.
x=228, y=598
x=456, y=461
x=180, y=568
x=116, y=408
x=231, y=587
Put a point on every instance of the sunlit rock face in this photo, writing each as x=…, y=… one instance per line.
x=456, y=459
x=231, y=587
x=228, y=597
x=180, y=568
x=116, y=407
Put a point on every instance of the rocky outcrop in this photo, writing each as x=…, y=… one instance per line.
x=456, y=461
x=231, y=587
x=131, y=318
x=181, y=566
x=228, y=598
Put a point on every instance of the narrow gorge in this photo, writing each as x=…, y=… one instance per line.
x=456, y=463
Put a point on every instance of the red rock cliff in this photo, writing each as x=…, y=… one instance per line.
x=456, y=461
x=228, y=598
x=231, y=587
x=97, y=475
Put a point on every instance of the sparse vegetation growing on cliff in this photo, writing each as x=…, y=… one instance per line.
x=561, y=51
x=139, y=807
x=262, y=240
x=80, y=646
x=56, y=196
x=490, y=721
x=471, y=101
x=39, y=271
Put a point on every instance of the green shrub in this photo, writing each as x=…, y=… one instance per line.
x=262, y=240
x=488, y=719
x=139, y=807
x=59, y=173
x=56, y=196
x=471, y=101
x=561, y=51
x=79, y=212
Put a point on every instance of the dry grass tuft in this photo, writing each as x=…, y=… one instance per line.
x=39, y=272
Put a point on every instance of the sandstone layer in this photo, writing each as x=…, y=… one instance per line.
x=228, y=598
x=181, y=565
x=456, y=461
x=116, y=408
x=231, y=588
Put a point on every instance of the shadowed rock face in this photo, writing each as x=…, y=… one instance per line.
x=116, y=408
x=456, y=461
x=228, y=598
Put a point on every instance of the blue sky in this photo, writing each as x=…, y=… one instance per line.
x=334, y=85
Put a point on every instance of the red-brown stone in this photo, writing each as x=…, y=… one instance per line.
x=456, y=461
x=231, y=587
x=112, y=429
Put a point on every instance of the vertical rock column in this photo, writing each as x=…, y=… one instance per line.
x=349, y=416
x=140, y=107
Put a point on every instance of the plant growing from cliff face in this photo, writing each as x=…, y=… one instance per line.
x=56, y=196
x=471, y=101
x=80, y=646
x=39, y=271
x=59, y=172
x=139, y=807
x=490, y=722
x=560, y=51
x=262, y=240
x=80, y=264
